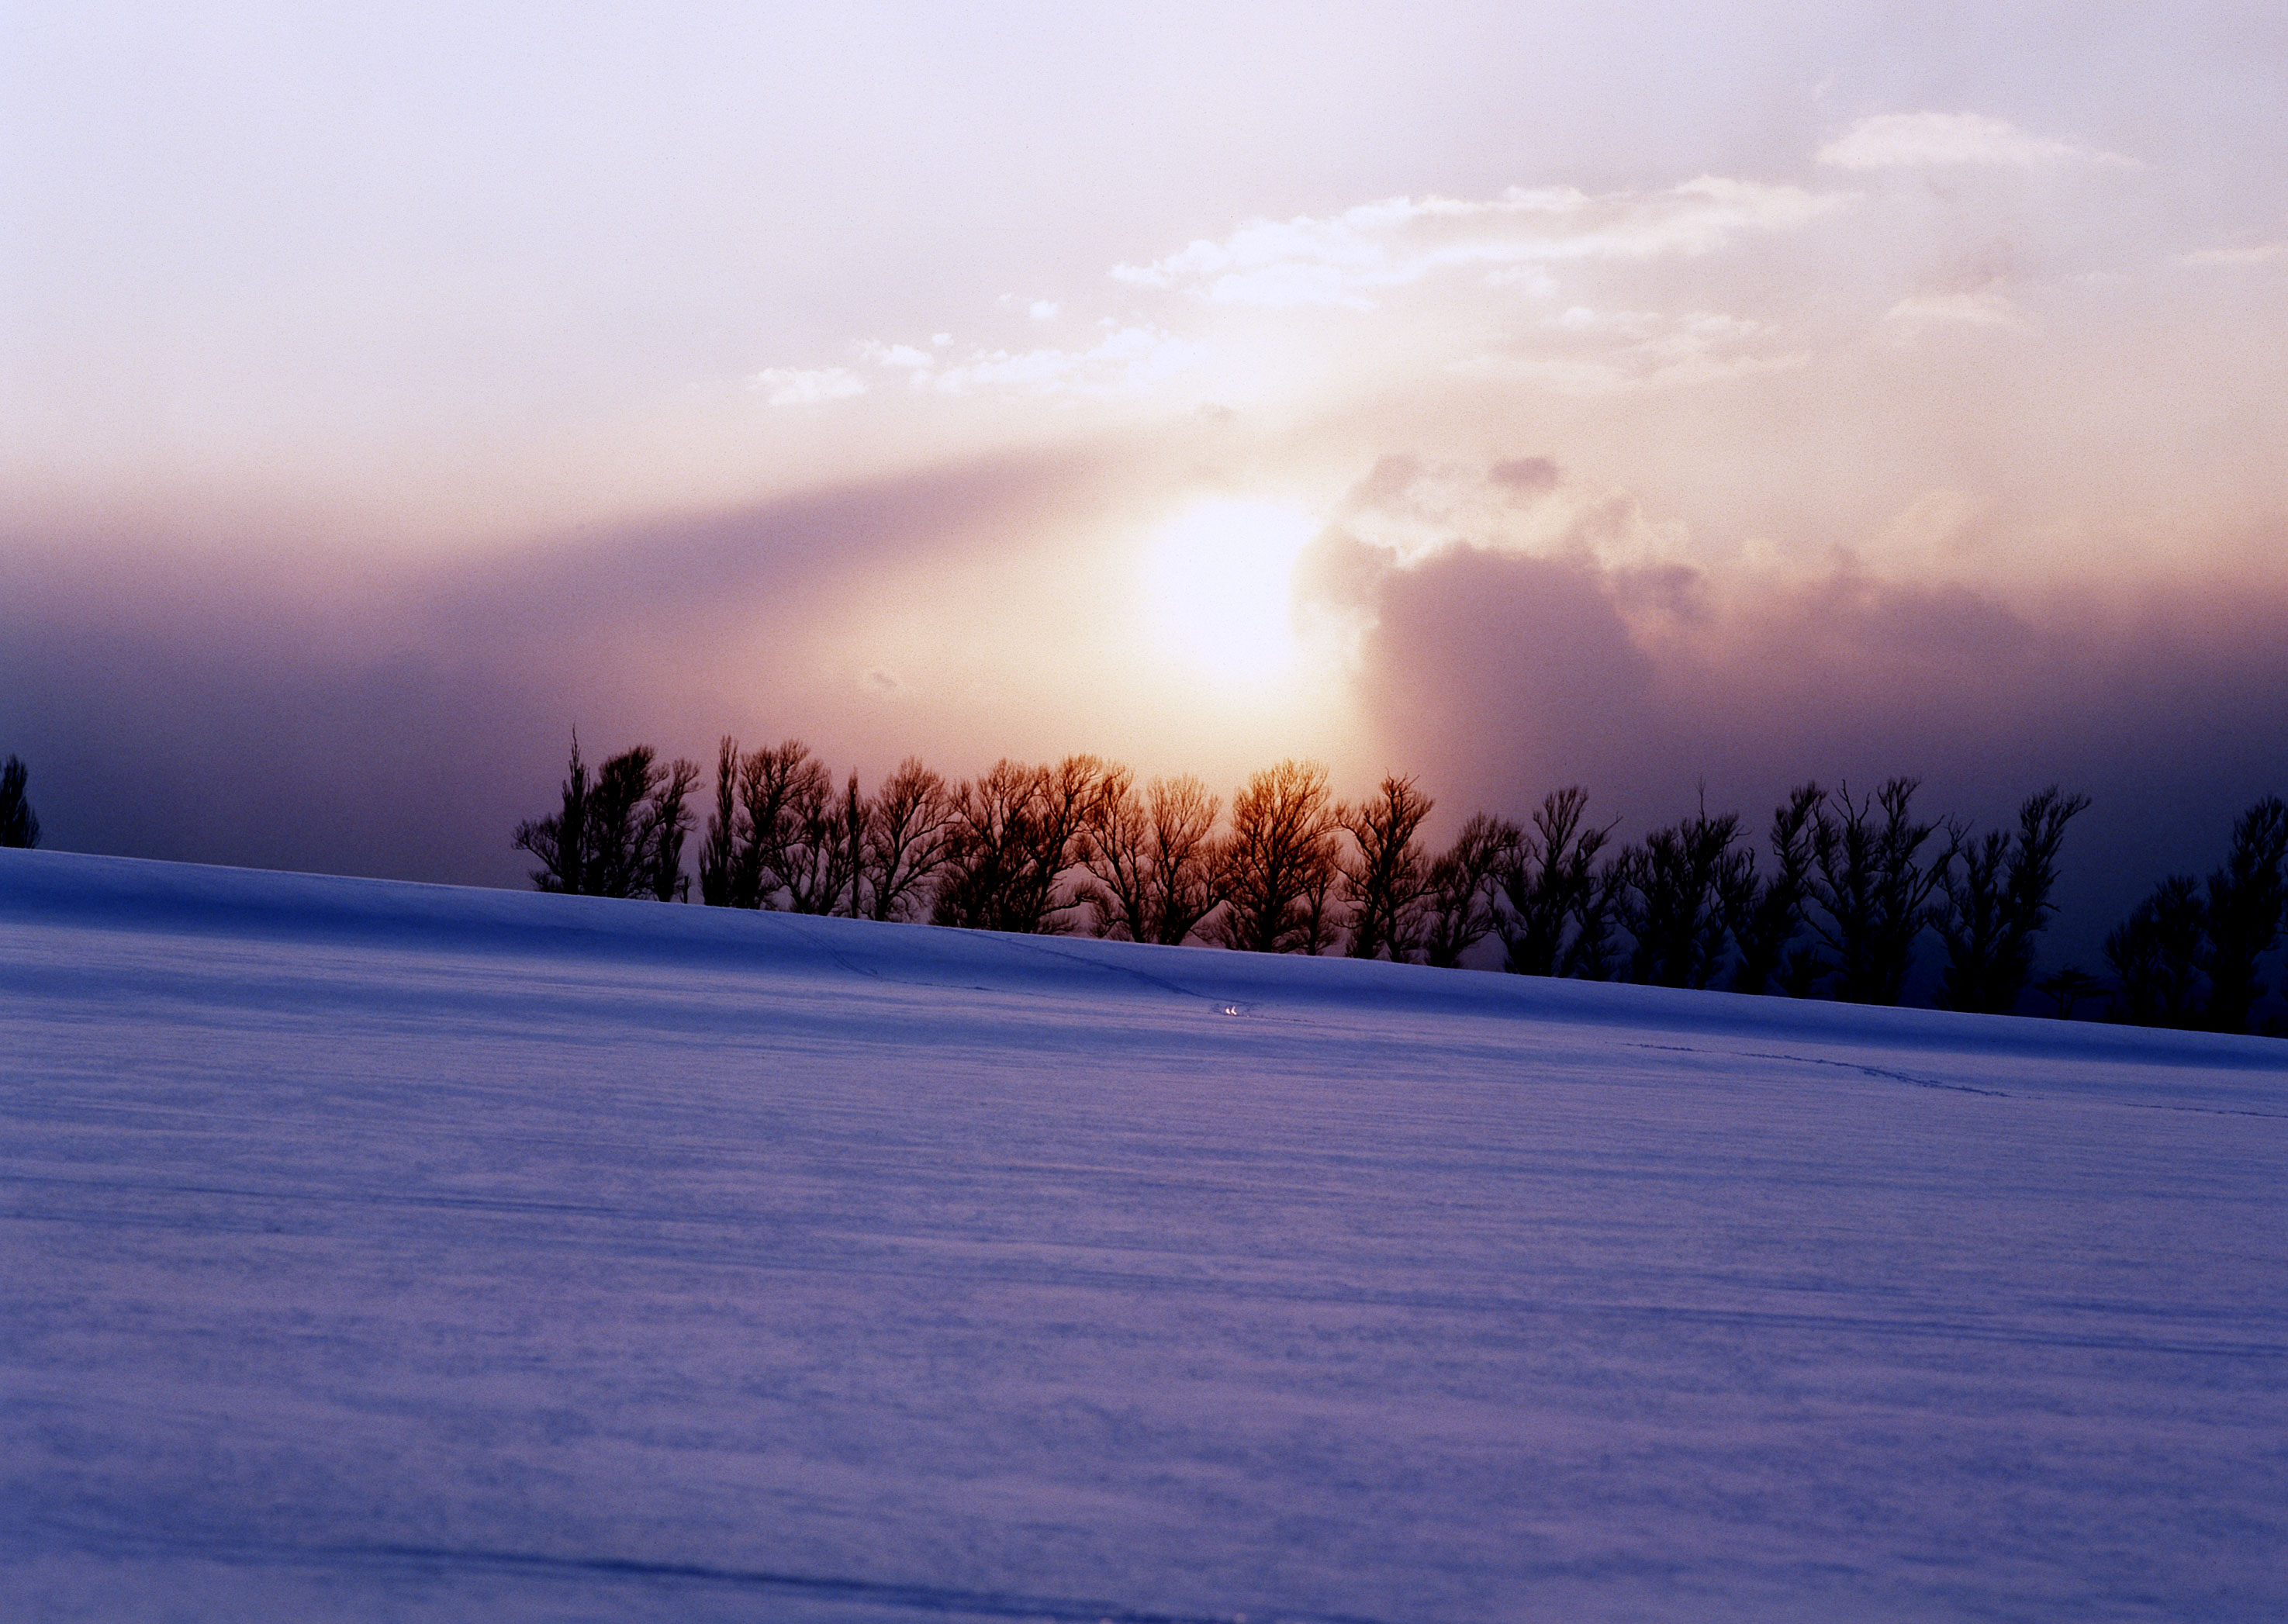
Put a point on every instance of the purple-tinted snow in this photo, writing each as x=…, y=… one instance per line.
x=388, y=1251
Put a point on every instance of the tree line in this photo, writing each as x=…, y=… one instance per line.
x=1837, y=898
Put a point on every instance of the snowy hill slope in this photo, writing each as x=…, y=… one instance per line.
x=379, y=1250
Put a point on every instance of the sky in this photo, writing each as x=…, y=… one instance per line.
x=1678, y=399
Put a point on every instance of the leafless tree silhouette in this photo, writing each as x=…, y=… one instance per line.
x=1147, y=857
x=1993, y=900
x=1458, y=906
x=816, y=861
x=1384, y=882
x=907, y=842
x=2156, y=955
x=726, y=833
x=1554, y=906
x=1277, y=866
x=1873, y=888
x=1766, y=912
x=1673, y=900
x=2243, y=913
x=667, y=827
x=2069, y=988
x=18, y=826
x=1015, y=833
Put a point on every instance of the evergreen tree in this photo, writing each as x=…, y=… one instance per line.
x=560, y=840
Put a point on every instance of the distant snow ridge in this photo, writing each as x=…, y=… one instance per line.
x=382, y=1250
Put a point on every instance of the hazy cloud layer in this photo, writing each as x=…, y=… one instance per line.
x=1500, y=631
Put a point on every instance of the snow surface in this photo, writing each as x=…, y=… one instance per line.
x=400, y=1252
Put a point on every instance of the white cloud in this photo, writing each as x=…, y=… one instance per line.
x=1893, y=140
x=1575, y=376
x=1342, y=260
x=1125, y=361
x=1981, y=308
x=1414, y=510
x=2267, y=253
x=799, y=386
x=1583, y=350
x=903, y=357
x=1044, y=310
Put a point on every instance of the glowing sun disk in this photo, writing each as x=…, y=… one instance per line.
x=1220, y=582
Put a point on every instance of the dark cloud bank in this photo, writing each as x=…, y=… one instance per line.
x=199, y=716
x=1498, y=677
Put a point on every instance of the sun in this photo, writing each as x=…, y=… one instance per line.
x=1219, y=581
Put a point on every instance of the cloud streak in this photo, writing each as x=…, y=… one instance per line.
x=1347, y=260
x=1914, y=140
x=800, y=386
x=2263, y=253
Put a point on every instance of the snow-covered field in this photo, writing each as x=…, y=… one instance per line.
x=398, y=1252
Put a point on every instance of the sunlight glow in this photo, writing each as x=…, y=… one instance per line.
x=1219, y=578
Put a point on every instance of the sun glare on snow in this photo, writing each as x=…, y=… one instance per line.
x=1221, y=576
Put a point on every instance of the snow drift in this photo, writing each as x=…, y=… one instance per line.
x=381, y=1250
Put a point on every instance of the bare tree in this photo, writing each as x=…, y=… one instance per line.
x=1184, y=892
x=774, y=807
x=1671, y=900
x=560, y=840
x=619, y=834
x=1996, y=902
x=783, y=793
x=2156, y=952
x=19, y=827
x=1015, y=833
x=1554, y=907
x=1766, y=915
x=1874, y=890
x=906, y=842
x=990, y=842
x=1276, y=867
x=727, y=830
x=1324, y=916
x=1146, y=858
x=1070, y=794
x=816, y=860
x=1458, y=902
x=667, y=826
x=2243, y=915
x=618, y=863
x=2069, y=988
x=1383, y=882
